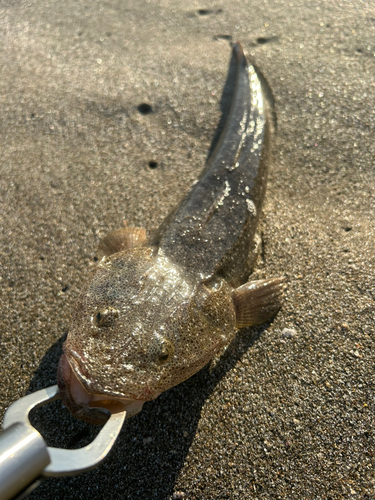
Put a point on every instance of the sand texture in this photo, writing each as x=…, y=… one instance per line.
x=288, y=410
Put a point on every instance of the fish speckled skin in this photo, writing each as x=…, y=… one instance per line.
x=156, y=310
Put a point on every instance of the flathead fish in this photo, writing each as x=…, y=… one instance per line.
x=157, y=308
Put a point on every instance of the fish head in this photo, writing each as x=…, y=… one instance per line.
x=138, y=328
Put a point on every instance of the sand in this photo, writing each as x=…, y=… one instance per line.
x=288, y=410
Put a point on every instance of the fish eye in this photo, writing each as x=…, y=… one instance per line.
x=162, y=350
x=214, y=284
x=105, y=317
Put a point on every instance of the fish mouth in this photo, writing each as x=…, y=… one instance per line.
x=84, y=405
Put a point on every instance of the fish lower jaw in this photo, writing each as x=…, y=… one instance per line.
x=86, y=406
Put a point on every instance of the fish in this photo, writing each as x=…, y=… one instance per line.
x=157, y=308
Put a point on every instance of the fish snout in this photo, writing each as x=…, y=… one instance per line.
x=91, y=408
x=74, y=396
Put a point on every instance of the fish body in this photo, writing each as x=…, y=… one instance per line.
x=157, y=309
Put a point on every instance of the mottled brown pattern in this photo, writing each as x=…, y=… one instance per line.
x=151, y=317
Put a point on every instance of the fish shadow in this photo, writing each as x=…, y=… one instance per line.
x=151, y=449
x=225, y=105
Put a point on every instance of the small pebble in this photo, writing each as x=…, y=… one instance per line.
x=288, y=333
x=177, y=495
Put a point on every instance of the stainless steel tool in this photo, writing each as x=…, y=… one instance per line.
x=25, y=458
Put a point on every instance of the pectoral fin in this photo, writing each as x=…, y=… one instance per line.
x=257, y=301
x=121, y=239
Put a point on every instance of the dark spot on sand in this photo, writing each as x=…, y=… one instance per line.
x=207, y=12
x=262, y=40
x=145, y=109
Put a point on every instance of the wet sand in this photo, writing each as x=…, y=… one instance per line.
x=288, y=410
